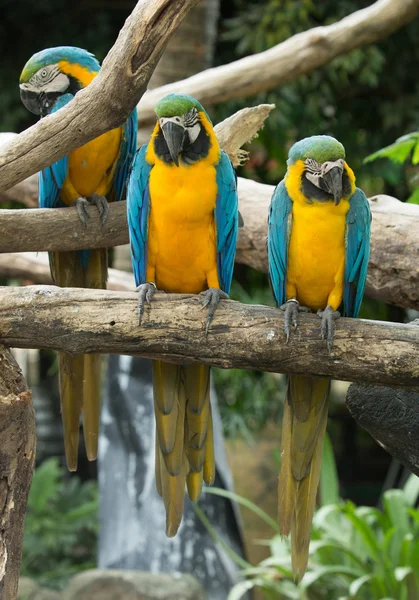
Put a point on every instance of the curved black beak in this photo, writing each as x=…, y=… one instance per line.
x=39, y=104
x=31, y=101
x=333, y=181
x=174, y=135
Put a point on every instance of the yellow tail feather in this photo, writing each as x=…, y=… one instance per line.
x=184, y=437
x=304, y=426
x=80, y=376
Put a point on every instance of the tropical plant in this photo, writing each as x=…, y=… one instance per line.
x=356, y=553
x=61, y=526
x=403, y=148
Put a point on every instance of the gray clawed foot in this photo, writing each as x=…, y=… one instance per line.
x=292, y=308
x=146, y=292
x=212, y=297
x=99, y=201
x=328, y=317
x=102, y=205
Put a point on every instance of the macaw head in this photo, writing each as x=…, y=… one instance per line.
x=325, y=174
x=181, y=120
x=53, y=72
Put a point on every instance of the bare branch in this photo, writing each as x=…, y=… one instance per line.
x=296, y=56
x=107, y=101
x=242, y=336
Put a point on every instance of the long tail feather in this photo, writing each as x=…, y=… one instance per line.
x=304, y=426
x=184, y=438
x=71, y=393
x=80, y=376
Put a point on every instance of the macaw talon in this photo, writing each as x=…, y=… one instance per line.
x=81, y=205
x=146, y=292
x=102, y=205
x=291, y=308
x=212, y=297
x=328, y=317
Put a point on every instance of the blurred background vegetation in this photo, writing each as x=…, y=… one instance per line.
x=366, y=99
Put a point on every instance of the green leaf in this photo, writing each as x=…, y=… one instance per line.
x=414, y=199
x=397, y=152
x=329, y=481
x=240, y=589
x=396, y=509
x=415, y=155
x=45, y=485
x=244, y=502
x=408, y=577
x=358, y=584
x=312, y=577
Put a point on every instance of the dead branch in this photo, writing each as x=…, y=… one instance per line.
x=17, y=457
x=107, y=101
x=241, y=336
x=296, y=56
x=391, y=417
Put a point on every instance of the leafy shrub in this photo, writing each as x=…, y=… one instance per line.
x=61, y=526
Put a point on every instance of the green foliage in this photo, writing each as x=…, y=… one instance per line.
x=61, y=526
x=356, y=553
x=365, y=98
x=398, y=152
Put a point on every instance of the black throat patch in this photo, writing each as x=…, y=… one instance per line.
x=315, y=194
x=190, y=153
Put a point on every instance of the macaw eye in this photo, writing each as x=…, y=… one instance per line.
x=43, y=73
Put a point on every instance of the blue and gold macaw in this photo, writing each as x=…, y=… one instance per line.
x=95, y=173
x=318, y=247
x=183, y=222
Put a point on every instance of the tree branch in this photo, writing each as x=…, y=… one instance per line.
x=241, y=336
x=34, y=267
x=393, y=274
x=107, y=101
x=391, y=417
x=17, y=457
x=296, y=56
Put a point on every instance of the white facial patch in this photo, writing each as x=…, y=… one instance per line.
x=176, y=120
x=49, y=79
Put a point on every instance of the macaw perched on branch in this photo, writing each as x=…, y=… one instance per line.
x=183, y=222
x=318, y=246
x=95, y=174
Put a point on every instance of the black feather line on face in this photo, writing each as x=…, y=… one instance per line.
x=190, y=153
x=315, y=194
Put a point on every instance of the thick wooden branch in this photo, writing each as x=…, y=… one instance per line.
x=391, y=416
x=296, y=56
x=17, y=457
x=393, y=274
x=241, y=336
x=107, y=101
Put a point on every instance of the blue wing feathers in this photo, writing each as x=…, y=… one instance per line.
x=226, y=220
x=357, y=242
x=52, y=178
x=126, y=156
x=138, y=207
x=279, y=231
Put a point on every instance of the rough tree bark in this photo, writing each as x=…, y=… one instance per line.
x=241, y=336
x=17, y=457
x=391, y=417
x=393, y=273
x=107, y=101
x=296, y=56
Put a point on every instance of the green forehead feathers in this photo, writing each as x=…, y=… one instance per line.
x=319, y=147
x=176, y=105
